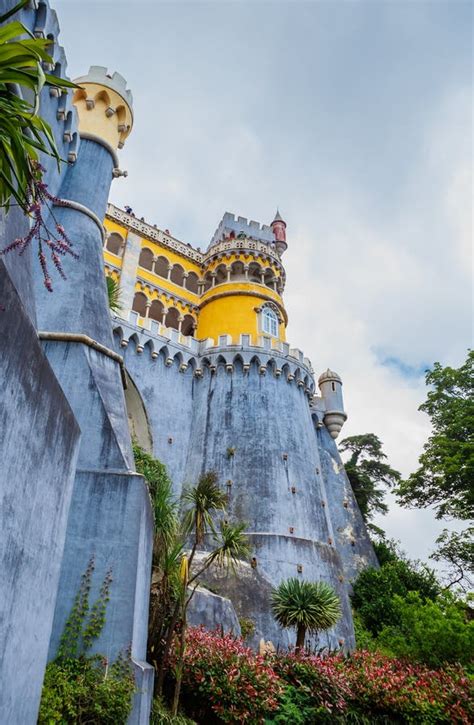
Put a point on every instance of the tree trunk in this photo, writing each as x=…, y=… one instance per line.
x=300, y=637
x=180, y=665
x=169, y=639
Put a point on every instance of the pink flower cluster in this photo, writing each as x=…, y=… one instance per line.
x=57, y=242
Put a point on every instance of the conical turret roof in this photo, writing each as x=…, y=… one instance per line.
x=278, y=217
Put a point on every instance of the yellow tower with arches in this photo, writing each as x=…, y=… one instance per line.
x=233, y=289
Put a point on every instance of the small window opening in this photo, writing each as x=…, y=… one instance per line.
x=270, y=322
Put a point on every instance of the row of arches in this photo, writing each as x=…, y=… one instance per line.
x=173, y=272
x=169, y=317
x=280, y=366
x=235, y=272
x=240, y=272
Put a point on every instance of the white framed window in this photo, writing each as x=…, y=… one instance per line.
x=269, y=322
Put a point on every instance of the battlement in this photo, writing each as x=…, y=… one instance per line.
x=240, y=225
x=187, y=351
x=116, y=82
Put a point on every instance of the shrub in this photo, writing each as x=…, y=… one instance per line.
x=85, y=690
x=320, y=683
x=160, y=715
x=224, y=678
x=225, y=682
x=374, y=590
x=431, y=632
x=384, y=689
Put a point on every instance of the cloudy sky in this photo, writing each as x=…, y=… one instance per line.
x=355, y=119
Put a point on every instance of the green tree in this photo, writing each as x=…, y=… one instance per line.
x=201, y=504
x=456, y=551
x=445, y=477
x=368, y=473
x=175, y=576
x=374, y=590
x=305, y=606
x=433, y=632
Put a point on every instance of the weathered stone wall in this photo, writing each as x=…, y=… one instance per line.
x=39, y=441
x=276, y=461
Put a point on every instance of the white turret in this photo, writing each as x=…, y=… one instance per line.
x=330, y=385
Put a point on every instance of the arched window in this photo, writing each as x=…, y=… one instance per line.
x=146, y=259
x=161, y=267
x=114, y=243
x=192, y=282
x=156, y=311
x=139, y=303
x=172, y=318
x=188, y=324
x=270, y=321
x=177, y=274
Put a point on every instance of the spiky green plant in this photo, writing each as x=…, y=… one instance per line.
x=201, y=502
x=305, y=606
x=232, y=546
x=23, y=133
x=114, y=294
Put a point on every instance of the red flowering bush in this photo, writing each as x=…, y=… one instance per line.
x=387, y=689
x=223, y=677
x=225, y=681
x=320, y=679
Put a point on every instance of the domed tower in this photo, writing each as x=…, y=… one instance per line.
x=242, y=285
x=330, y=385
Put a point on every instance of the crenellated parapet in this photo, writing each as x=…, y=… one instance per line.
x=231, y=225
x=104, y=105
x=200, y=356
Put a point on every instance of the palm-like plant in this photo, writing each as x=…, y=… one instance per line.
x=201, y=503
x=232, y=546
x=305, y=606
x=23, y=133
x=114, y=294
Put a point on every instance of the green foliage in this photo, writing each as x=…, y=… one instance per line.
x=165, y=506
x=231, y=546
x=432, y=632
x=247, y=627
x=456, y=550
x=85, y=623
x=160, y=715
x=113, y=294
x=201, y=503
x=87, y=690
x=306, y=606
x=446, y=473
x=374, y=590
x=23, y=133
x=80, y=689
x=295, y=707
x=366, y=470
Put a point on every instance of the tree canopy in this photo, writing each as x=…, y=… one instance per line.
x=446, y=473
x=368, y=473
